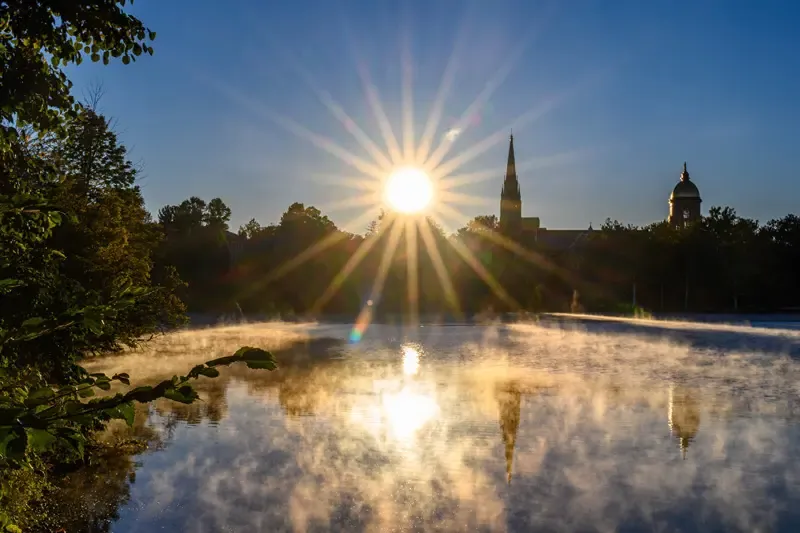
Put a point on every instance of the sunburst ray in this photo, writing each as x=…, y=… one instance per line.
x=362, y=200
x=512, y=246
x=407, y=97
x=386, y=261
x=480, y=270
x=442, y=92
x=412, y=270
x=361, y=183
x=467, y=155
x=483, y=97
x=463, y=199
x=316, y=248
x=348, y=268
x=334, y=107
x=562, y=158
x=301, y=131
x=438, y=266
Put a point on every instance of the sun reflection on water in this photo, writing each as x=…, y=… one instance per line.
x=410, y=360
x=402, y=405
x=407, y=411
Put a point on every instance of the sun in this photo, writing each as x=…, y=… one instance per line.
x=408, y=190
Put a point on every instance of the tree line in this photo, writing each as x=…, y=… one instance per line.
x=304, y=264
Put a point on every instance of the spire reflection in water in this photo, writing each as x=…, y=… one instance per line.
x=509, y=402
x=683, y=416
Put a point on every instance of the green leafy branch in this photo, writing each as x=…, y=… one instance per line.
x=43, y=419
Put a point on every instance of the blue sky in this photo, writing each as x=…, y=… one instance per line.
x=609, y=99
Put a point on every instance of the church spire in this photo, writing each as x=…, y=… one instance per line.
x=510, y=196
x=511, y=167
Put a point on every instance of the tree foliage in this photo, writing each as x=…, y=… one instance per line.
x=196, y=246
x=723, y=263
x=40, y=37
x=38, y=419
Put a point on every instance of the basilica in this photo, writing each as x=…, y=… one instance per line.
x=684, y=208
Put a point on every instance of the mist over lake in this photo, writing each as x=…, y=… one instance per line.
x=561, y=425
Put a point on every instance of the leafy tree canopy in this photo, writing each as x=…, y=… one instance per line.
x=40, y=37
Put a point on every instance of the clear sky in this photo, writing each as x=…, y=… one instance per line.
x=607, y=99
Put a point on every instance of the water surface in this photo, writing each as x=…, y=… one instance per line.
x=563, y=425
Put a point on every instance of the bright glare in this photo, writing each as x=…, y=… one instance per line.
x=407, y=411
x=409, y=190
x=410, y=360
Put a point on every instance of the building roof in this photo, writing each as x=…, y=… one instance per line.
x=685, y=188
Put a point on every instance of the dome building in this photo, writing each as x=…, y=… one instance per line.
x=684, y=202
x=684, y=209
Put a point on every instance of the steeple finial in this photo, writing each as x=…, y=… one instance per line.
x=511, y=167
x=685, y=173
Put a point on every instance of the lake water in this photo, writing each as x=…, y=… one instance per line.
x=564, y=425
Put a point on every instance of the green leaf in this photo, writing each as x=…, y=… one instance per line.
x=6, y=435
x=141, y=394
x=123, y=377
x=40, y=440
x=44, y=392
x=103, y=385
x=7, y=284
x=224, y=360
x=248, y=353
x=124, y=411
x=127, y=412
x=209, y=372
x=85, y=392
x=94, y=325
x=9, y=415
x=95, y=58
x=32, y=322
x=175, y=396
x=13, y=443
x=261, y=365
x=152, y=36
x=126, y=59
x=71, y=438
x=39, y=397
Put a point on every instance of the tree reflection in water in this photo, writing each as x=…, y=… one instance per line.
x=392, y=437
x=88, y=500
